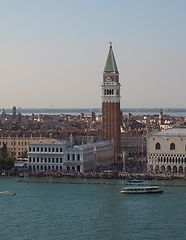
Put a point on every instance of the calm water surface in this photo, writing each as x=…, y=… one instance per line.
x=70, y=210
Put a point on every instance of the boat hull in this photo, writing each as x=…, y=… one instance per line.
x=7, y=193
x=148, y=192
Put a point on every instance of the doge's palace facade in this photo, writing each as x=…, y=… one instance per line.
x=166, y=151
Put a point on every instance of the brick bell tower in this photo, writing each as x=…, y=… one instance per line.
x=111, y=118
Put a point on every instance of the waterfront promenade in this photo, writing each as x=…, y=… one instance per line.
x=101, y=175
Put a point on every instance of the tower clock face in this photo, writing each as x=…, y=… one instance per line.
x=109, y=79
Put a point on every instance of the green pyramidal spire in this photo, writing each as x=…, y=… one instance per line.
x=110, y=65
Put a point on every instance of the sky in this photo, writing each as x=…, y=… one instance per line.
x=53, y=52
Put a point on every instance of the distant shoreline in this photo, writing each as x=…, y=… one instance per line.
x=72, y=111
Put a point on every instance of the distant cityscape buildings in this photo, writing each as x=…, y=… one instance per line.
x=88, y=142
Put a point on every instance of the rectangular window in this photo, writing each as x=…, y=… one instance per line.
x=53, y=150
x=37, y=159
x=33, y=159
x=33, y=149
x=29, y=149
x=41, y=149
x=60, y=160
x=56, y=160
x=45, y=149
x=56, y=149
x=49, y=149
x=48, y=159
x=18, y=143
x=61, y=150
x=37, y=149
x=53, y=160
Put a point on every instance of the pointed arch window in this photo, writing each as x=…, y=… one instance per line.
x=172, y=146
x=157, y=146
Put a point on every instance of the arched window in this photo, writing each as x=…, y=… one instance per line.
x=172, y=146
x=157, y=146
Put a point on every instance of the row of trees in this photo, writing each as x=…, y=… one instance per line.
x=6, y=160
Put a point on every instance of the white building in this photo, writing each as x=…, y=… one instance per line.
x=52, y=154
x=166, y=151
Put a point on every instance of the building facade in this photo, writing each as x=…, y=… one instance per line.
x=166, y=151
x=52, y=154
x=111, y=118
x=17, y=145
x=134, y=143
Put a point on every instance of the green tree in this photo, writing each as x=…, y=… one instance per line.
x=3, y=151
x=6, y=161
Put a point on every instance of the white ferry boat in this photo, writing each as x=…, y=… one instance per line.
x=7, y=193
x=140, y=190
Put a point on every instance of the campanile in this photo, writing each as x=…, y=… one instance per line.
x=111, y=118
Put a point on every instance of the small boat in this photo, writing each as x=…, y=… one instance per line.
x=134, y=180
x=7, y=193
x=141, y=190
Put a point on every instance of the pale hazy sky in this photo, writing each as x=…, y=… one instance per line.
x=53, y=52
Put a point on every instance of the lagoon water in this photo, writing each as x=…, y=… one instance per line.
x=72, y=209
